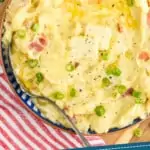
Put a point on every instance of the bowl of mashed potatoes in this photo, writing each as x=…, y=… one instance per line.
x=92, y=57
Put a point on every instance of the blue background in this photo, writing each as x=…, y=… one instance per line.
x=135, y=146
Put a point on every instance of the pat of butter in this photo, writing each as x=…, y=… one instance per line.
x=143, y=5
x=123, y=42
x=84, y=47
x=97, y=38
x=101, y=34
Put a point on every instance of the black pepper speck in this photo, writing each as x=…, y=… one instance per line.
x=80, y=90
x=113, y=5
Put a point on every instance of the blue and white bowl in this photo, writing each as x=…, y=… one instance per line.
x=26, y=99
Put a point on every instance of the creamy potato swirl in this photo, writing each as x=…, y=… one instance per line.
x=92, y=57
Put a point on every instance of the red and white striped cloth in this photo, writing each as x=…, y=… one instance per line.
x=19, y=129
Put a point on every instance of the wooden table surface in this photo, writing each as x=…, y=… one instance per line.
x=126, y=136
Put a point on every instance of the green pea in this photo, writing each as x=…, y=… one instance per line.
x=109, y=70
x=113, y=70
x=116, y=72
x=139, y=101
x=35, y=27
x=100, y=110
x=121, y=89
x=106, y=82
x=58, y=95
x=70, y=67
x=73, y=92
x=39, y=77
x=136, y=94
x=32, y=63
x=21, y=34
x=138, y=132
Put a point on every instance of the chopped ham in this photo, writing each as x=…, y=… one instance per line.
x=74, y=119
x=128, y=92
x=36, y=46
x=39, y=44
x=148, y=18
x=43, y=41
x=120, y=28
x=144, y=56
x=66, y=108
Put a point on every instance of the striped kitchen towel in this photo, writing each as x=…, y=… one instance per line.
x=19, y=129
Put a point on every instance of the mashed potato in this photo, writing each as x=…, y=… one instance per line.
x=92, y=57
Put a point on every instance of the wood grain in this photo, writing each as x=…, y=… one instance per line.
x=126, y=136
x=3, y=6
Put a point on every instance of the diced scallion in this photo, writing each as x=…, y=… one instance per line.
x=21, y=34
x=35, y=27
x=58, y=95
x=32, y=63
x=114, y=94
x=137, y=132
x=104, y=55
x=139, y=101
x=128, y=55
x=42, y=102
